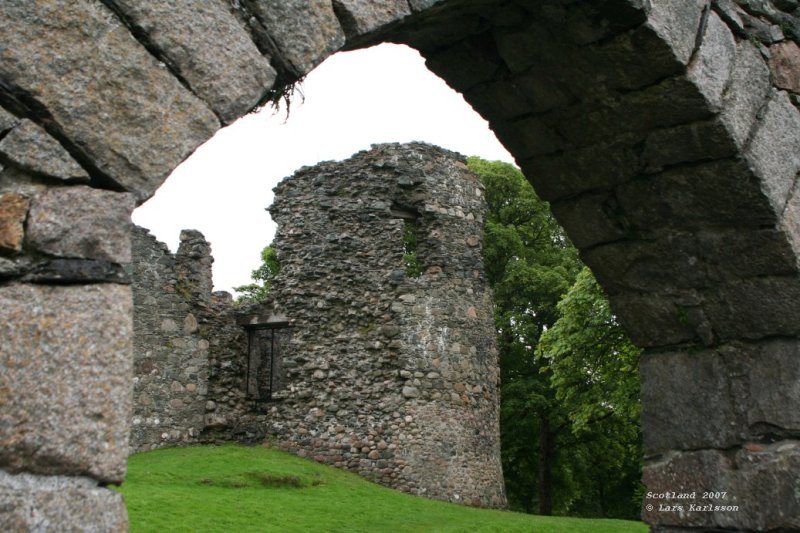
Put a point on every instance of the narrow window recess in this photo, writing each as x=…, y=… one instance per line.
x=410, y=217
x=264, y=362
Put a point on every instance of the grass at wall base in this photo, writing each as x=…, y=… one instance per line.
x=239, y=489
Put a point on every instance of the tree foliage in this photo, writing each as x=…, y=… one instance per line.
x=594, y=365
x=410, y=259
x=261, y=276
x=569, y=398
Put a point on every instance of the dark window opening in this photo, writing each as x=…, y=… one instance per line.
x=410, y=257
x=265, y=372
x=410, y=218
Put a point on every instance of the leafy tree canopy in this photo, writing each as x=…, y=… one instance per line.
x=569, y=398
x=259, y=288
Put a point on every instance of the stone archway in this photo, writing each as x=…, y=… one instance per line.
x=667, y=142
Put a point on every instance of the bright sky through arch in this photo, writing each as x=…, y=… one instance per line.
x=352, y=100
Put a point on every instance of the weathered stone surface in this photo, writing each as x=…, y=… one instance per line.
x=362, y=16
x=747, y=92
x=10, y=268
x=30, y=147
x=722, y=397
x=305, y=32
x=107, y=96
x=716, y=193
x=734, y=254
x=7, y=120
x=732, y=15
x=712, y=64
x=687, y=143
x=755, y=308
x=205, y=44
x=772, y=388
x=654, y=320
x=476, y=51
x=81, y=222
x=591, y=219
x=677, y=23
x=529, y=137
x=16, y=180
x=790, y=221
x=686, y=402
x=585, y=22
x=774, y=151
x=505, y=101
x=77, y=271
x=586, y=169
x=53, y=339
x=760, y=485
x=784, y=63
x=545, y=43
x=43, y=504
x=13, y=211
x=688, y=260
x=763, y=31
x=420, y=5
x=669, y=102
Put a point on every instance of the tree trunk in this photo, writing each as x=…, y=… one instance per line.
x=546, y=453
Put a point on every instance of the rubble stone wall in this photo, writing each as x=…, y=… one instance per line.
x=389, y=375
x=171, y=298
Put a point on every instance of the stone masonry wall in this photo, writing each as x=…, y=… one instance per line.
x=189, y=351
x=171, y=297
x=65, y=344
x=391, y=376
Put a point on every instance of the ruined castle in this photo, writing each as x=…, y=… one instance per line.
x=357, y=359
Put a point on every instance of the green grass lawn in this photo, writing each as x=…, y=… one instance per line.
x=238, y=489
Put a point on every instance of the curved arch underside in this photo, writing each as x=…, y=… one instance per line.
x=665, y=135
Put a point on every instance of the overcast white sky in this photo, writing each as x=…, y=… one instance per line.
x=354, y=99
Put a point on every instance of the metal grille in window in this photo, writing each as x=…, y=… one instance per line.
x=264, y=364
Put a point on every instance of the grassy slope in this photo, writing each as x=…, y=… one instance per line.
x=237, y=489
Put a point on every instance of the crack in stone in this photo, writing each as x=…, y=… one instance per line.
x=142, y=37
x=701, y=31
x=27, y=106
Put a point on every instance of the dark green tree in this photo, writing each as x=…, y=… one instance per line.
x=261, y=276
x=593, y=369
x=552, y=444
x=530, y=265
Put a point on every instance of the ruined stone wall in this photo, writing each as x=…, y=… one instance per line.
x=171, y=298
x=391, y=376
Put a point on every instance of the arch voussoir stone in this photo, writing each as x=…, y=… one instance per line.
x=76, y=70
x=666, y=141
